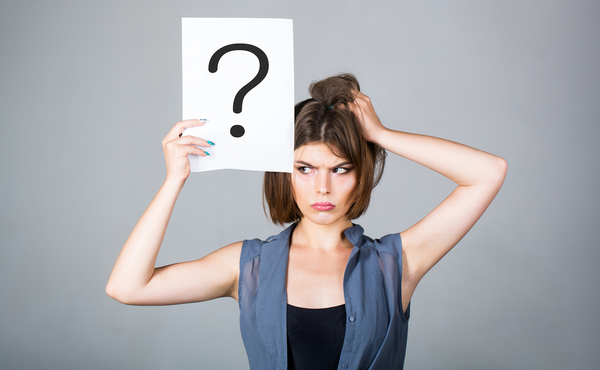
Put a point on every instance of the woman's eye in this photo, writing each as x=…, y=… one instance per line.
x=340, y=170
x=304, y=169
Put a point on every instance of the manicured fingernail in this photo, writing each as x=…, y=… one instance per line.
x=210, y=142
x=207, y=153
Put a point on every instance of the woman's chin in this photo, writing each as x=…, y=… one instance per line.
x=325, y=218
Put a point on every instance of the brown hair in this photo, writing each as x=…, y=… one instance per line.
x=325, y=118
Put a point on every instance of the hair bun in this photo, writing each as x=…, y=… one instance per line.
x=334, y=91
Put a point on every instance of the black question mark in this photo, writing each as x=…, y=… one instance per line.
x=237, y=130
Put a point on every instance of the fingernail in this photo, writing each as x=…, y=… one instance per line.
x=210, y=142
x=207, y=153
x=202, y=120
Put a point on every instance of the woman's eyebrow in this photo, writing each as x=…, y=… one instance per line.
x=343, y=164
x=304, y=163
x=310, y=165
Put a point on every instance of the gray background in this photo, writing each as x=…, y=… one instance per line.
x=88, y=89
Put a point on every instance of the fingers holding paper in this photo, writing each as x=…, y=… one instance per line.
x=177, y=148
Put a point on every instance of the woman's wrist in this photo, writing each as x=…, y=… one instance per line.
x=172, y=183
x=378, y=136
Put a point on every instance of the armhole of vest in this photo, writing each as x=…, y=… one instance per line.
x=392, y=244
x=250, y=249
x=405, y=315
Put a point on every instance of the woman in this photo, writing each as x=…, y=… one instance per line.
x=320, y=295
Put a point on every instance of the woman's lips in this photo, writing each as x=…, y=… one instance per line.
x=323, y=206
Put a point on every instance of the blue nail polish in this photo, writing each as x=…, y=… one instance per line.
x=210, y=142
x=207, y=153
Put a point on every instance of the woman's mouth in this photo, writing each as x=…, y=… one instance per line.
x=323, y=206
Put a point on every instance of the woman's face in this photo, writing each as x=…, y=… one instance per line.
x=323, y=184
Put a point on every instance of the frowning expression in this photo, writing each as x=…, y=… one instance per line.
x=323, y=184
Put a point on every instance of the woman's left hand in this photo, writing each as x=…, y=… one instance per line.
x=363, y=109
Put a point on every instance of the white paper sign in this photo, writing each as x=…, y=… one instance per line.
x=239, y=75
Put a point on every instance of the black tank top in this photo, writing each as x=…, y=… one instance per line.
x=315, y=337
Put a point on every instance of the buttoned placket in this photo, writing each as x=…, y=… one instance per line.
x=347, y=352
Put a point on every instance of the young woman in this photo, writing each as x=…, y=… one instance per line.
x=319, y=295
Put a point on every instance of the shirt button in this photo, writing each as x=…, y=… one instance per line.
x=344, y=365
x=351, y=318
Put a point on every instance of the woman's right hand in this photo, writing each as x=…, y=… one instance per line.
x=177, y=148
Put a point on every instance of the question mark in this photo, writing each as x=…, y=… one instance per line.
x=237, y=130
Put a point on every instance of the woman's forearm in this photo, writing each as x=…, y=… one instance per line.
x=136, y=262
x=460, y=163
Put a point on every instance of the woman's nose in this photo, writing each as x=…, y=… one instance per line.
x=323, y=185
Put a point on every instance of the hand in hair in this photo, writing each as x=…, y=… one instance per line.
x=363, y=109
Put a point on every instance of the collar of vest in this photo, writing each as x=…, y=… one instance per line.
x=353, y=233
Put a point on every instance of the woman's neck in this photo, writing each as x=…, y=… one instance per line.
x=322, y=237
